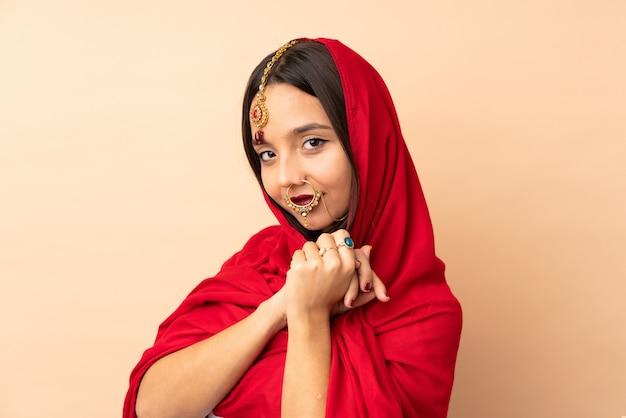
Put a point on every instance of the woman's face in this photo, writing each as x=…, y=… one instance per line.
x=299, y=143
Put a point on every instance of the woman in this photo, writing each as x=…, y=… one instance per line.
x=298, y=323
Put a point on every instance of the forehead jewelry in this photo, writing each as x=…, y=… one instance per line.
x=303, y=210
x=259, y=113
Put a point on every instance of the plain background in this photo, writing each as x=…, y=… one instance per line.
x=123, y=183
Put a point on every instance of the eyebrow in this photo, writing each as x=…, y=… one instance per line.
x=300, y=130
x=310, y=127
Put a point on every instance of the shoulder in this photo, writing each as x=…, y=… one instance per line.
x=264, y=242
x=269, y=234
x=257, y=249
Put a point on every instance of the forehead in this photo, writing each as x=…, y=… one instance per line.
x=289, y=107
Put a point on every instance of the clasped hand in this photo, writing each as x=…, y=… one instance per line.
x=328, y=278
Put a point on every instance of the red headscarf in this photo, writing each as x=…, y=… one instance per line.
x=393, y=359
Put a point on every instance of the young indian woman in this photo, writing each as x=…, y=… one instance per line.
x=342, y=308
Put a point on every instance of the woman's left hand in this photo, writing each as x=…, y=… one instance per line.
x=365, y=285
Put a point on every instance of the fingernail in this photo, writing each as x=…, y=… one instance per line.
x=352, y=303
x=368, y=287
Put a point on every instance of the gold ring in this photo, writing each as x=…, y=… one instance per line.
x=324, y=249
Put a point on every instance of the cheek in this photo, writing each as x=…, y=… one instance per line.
x=270, y=185
x=346, y=182
x=341, y=172
x=338, y=178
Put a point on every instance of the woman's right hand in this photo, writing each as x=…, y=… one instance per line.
x=328, y=266
x=321, y=274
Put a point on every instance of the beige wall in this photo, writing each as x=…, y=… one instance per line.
x=123, y=184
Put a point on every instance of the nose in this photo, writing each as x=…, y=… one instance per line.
x=289, y=171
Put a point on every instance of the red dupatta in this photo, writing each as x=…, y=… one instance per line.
x=393, y=359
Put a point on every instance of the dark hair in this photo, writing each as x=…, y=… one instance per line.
x=309, y=67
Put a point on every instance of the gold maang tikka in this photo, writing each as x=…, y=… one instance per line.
x=259, y=113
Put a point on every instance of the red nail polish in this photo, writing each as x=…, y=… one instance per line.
x=368, y=287
x=352, y=303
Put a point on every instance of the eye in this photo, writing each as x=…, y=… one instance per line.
x=265, y=156
x=313, y=143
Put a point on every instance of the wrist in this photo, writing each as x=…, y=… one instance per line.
x=309, y=320
x=274, y=311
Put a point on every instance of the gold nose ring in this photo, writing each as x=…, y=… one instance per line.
x=303, y=210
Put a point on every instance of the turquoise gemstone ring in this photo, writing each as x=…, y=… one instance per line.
x=347, y=242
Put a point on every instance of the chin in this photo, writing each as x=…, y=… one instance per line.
x=317, y=226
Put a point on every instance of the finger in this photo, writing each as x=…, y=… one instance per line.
x=364, y=298
x=364, y=270
x=352, y=293
x=310, y=250
x=346, y=242
x=380, y=290
x=325, y=240
x=326, y=244
x=345, y=246
x=297, y=258
x=380, y=293
x=342, y=239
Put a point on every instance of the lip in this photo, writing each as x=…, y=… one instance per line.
x=302, y=199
